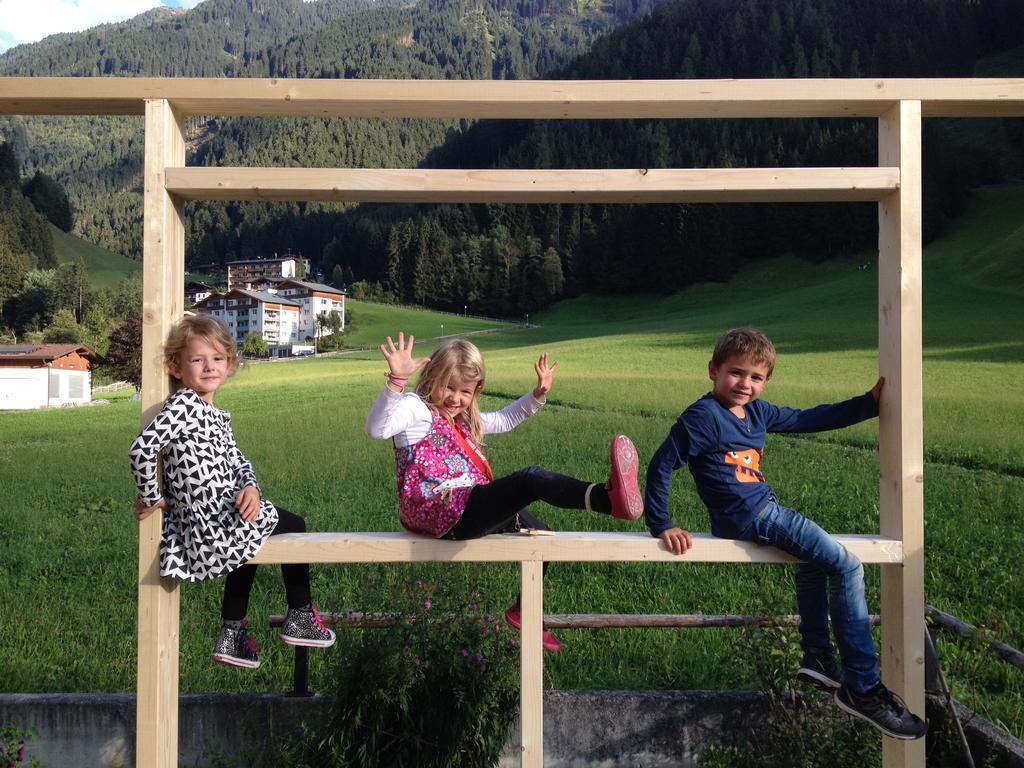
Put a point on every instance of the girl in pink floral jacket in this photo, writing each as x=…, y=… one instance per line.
x=446, y=488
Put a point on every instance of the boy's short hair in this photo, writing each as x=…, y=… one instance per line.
x=745, y=342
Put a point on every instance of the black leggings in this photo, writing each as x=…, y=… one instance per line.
x=499, y=507
x=238, y=583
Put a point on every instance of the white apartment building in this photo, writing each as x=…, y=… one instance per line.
x=274, y=317
x=314, y=298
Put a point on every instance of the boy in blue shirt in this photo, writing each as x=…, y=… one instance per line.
x=721, y=439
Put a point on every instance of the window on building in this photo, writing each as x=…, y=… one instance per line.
x=76, y=387
x=54, y=385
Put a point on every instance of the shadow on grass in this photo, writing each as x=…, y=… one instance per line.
x=1005, y=352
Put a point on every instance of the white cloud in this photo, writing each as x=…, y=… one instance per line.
x=27, y=21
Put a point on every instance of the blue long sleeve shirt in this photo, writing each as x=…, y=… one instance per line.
x=723, y=453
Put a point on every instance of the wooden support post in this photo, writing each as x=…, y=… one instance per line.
x=531, y=673
x=901, y=438
x=156, y=739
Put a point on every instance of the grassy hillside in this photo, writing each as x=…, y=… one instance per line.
x=104, y=268
x=626, y=364
x=369, y=324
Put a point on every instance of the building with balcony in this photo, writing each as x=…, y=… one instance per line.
x=251, y=272
x=274, y=317
x=315, y=299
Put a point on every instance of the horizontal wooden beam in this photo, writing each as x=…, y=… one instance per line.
x=630, y=185
x=391, y=547
x=524, y=99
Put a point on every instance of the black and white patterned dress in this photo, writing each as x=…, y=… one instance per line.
x=204, y=536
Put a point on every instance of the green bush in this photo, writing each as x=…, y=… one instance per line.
x=438, y=687
x=799, y=730
x=12, y=747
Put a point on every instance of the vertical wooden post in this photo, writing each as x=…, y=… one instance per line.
x=156, y=739
x=901, y=438
x=531, y=671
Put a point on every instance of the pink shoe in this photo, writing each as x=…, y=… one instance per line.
x=514, y=617
x=623, y=490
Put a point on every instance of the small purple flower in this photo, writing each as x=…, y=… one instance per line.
x=483, y=668
x=512, y=641
x=465, y=653
x=417, y=661
x=405, y=653
x=472, y=606
x=488, y=616
x=479, y=656
x=427, y=605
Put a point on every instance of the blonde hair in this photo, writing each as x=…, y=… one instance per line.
x=206, y=327
x=745, y=342
x=455, y=360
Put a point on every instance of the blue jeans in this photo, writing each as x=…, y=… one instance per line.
x=827, y=578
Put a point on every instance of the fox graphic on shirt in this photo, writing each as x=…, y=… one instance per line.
x=748, y=465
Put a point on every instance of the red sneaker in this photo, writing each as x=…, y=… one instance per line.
x=514, y=617
x=623, y=490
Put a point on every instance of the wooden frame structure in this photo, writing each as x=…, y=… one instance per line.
x=899, y=106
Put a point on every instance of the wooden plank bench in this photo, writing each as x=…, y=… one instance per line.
x=566, y=546
x=532, y=552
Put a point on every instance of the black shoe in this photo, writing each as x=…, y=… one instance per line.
x=820, y=671
x=884, y=710
x=235, y=646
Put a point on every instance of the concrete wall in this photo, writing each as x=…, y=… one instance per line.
x=585, y=729
x=582, y=729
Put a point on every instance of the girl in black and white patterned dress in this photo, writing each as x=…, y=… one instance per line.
x=215, y=519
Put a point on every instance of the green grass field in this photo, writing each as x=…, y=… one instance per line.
x=68, y=541
x=369, y=324
x=104, y=268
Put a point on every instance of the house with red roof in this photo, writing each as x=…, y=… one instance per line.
x=45, y=375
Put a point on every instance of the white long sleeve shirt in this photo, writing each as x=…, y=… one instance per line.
x=404, y=417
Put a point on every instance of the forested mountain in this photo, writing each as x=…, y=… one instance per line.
x=219, y=38
x=36, y=292
x=511, y=259
x=99, y=159
x=25, y=239
x=504, y=259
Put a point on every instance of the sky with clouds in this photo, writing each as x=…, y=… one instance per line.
x=28, y=21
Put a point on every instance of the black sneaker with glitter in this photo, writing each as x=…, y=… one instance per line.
x=883, y=709
x=236, y=647
x=819, y=671
x=303, y=626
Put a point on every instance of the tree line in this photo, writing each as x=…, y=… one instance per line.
x=510, y=259
x=99, y=159
x=489, y=257
x=41, y=300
